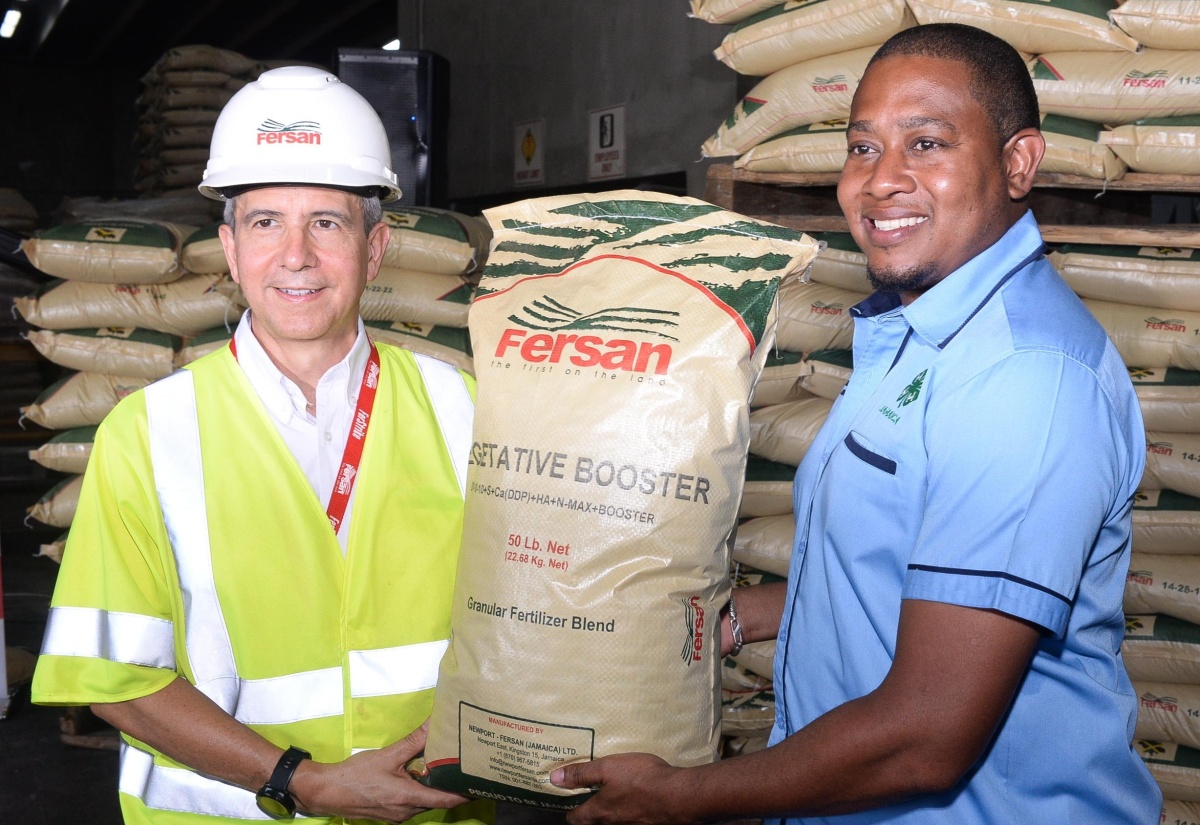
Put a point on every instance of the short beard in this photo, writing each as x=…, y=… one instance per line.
x=913, y=279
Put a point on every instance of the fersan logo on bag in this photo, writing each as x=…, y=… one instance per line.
x=822, y=308
x=1169, y=324
x=554, y=345
x=1156, y=79
x=693, y=618
x=837, y=83
x=1160, y=447
x=1150, y=701
x=302, y=131
x=1142, y=577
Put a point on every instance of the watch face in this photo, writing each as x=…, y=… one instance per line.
x=273, y=807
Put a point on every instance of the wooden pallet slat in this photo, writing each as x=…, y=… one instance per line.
x=805, y=202
x=1130, y=181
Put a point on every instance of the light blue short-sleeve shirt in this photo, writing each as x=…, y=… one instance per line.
x=984, y=453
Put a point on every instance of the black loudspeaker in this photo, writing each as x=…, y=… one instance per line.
x=410, y=91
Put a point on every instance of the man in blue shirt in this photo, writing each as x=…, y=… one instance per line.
x=948, y=640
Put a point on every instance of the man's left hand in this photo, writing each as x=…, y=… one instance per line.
x=634, y=788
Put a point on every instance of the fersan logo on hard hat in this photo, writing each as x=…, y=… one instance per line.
x=302, y=131
x=616, y=353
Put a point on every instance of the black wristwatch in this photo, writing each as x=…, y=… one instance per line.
x=273, y=798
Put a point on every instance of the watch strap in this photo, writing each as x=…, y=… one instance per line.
x=276, y=788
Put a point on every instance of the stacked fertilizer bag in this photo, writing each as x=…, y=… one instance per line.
x=1116, y=84
x=425, y=287
x=16, y=214
x=182, y=94
x=798, y=384
x=423, y=292
x=1166, y=138
x=185, y=209
x=598, y=519
x=803, y=376
x=810, y=58
x=26, y=374
x=1162, y=641
x=112, y=314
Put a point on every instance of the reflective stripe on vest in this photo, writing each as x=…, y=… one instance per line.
x=179, y=481
x=129, y=638
x=454, y=410
x=174, y=435
x=404, y=669
x=178, y=789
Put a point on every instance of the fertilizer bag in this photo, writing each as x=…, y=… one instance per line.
x=599, y=508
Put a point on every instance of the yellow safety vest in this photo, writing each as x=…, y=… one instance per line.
x=199, y=548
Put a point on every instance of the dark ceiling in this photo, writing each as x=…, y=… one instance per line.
x=131, y=35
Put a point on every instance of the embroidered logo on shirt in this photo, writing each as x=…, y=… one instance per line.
x=912, y=390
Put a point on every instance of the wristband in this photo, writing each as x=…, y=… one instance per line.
x=273, y=798
x=735, y=628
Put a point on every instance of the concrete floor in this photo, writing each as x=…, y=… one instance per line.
x=46, y=781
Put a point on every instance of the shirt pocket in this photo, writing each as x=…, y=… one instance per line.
x=861, y=448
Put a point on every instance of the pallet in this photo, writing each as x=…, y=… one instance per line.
x=808, y=202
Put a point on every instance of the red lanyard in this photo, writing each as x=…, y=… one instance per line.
x=352, y=455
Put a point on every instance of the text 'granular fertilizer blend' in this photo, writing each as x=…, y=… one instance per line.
x=617, y=340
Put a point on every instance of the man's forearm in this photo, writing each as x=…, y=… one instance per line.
x=187, y=726
x=759, y=610
x=190, y=728
x=954, y=675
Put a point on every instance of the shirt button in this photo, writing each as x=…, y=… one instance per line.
x=329, y=436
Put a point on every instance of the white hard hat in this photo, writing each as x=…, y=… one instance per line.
x=298, y=125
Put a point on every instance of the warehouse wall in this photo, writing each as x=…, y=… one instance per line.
x=521, y=60
x=510, y=62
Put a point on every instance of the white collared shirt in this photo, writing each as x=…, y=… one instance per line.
x=317, y=441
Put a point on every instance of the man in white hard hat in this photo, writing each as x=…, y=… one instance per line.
x=256, y=589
